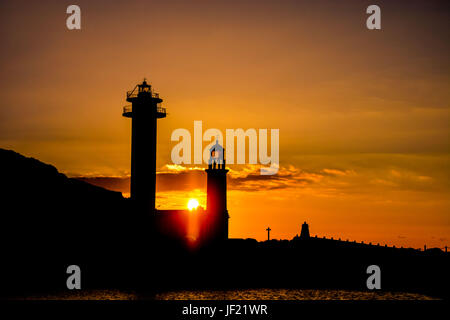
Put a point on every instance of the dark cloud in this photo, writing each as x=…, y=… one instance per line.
x=177, y=181
x=186, y=180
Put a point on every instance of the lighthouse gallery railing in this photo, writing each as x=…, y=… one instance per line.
x=129, y=109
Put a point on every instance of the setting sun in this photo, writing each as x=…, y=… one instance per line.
x=192, y=204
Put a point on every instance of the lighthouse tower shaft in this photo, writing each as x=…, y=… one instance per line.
x=144, y=112
x=216, y=199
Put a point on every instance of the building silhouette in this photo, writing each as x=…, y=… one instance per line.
x=304, y=234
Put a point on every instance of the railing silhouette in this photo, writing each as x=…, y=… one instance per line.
x=134, y=94
x=128, y=109
x=370, y=244
x=160, y=109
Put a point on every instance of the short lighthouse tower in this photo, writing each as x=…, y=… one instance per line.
x=144, y=111
x=216, y=199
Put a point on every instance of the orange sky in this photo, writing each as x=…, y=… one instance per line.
x=363, y=115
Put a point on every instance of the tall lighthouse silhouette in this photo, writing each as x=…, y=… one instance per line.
x=144, y=112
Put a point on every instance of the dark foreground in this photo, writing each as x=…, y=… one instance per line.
x=50, y=221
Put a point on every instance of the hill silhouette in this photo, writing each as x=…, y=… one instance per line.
x=47, y=217
x=39, y=200
x=29, y=177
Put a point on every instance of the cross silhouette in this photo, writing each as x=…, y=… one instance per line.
x=268, y=233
